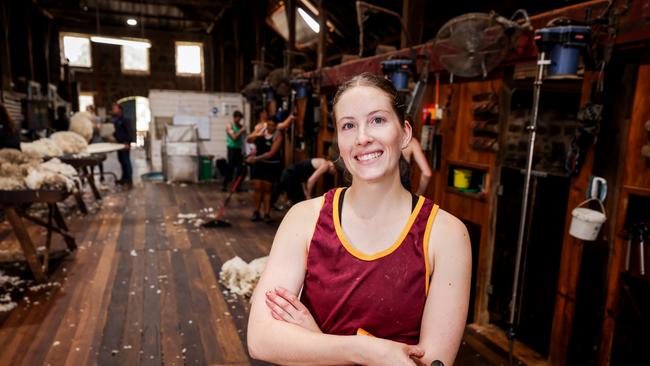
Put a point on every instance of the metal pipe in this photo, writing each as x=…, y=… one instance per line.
x=641, y=254
x=541, y=63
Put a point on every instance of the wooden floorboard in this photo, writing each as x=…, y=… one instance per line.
x=141, y=289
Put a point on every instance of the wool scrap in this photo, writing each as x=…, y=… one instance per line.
x=240, y=277
x=69, y=142
x=82, y=124
x=42, y=148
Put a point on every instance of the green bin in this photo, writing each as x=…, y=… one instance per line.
x=205, y=167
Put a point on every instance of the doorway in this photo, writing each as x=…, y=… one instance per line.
x=136, y=109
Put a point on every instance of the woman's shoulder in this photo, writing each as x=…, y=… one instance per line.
x=302, y=217
x=306, y=210
x=448, y=232
x=449, y=222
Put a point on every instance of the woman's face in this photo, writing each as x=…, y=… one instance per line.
x=370, y=135
x=270, y=126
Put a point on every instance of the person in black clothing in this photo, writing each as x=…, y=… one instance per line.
x=62, y=122
x=266, y=163
x=9, y=134
x=122, y=135
x=299, y=179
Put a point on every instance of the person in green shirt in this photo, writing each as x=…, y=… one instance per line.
x=234, y=141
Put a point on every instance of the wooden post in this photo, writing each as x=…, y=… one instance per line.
x=636, y=180
x=412, y=22
x=291, y=43
x=236, y=59
x=6, y=82
x=571, y=258
x=322, y=35
x=30, y=48
x=222, y=59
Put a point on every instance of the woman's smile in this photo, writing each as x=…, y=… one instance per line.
x=369, y=157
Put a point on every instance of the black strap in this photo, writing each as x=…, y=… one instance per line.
x=414, y=202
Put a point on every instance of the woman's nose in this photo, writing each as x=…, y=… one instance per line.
x=363, y=137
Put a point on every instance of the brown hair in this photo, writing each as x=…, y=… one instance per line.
x=371, y=80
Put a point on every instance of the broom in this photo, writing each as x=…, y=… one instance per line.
x=217, y=221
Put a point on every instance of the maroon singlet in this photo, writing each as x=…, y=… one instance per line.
x=383, y=294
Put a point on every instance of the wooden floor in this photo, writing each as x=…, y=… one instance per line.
x=140, y=289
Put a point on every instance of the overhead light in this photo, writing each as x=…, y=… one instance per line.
x=131, y=22
x=313, y=24
x=120, y=42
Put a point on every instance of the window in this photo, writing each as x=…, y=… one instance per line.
x=189, y=58
x=135, y=59
x=77, y=50
x=86, y=99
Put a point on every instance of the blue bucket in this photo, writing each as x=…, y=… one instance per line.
x=563, y=44
x=269, y=93
x=399, y=71
x=301, y=86
x=564, y=60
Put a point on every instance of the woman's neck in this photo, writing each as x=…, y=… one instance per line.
x=370, y=198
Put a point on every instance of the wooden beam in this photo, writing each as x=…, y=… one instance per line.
x=335, y=75
x=198, y=3
x=64, y=12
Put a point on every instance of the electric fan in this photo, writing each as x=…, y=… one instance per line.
x=473, y=44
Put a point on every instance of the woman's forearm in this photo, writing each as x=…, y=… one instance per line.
x=424, y=182
x=288, y=344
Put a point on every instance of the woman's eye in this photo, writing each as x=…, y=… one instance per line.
x=377, y=120
x=347, y=126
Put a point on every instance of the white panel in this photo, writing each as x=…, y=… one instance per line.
x=217, y=106
x=202, y=124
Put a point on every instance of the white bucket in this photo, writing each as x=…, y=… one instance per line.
x=586, y=222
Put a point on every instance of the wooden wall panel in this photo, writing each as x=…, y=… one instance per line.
x=456, y=129
x=571, y=258
x=636, y=181
x=462, y=126
x=637, y=173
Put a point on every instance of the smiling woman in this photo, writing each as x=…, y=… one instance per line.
x=370, y=124
x=369, y=291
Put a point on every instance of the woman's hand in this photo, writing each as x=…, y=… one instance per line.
x=378, y=351
x=285, y=306
x=250, y=159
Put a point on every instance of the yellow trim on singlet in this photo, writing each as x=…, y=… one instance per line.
x=426, y=239
x=369, y=257
x=361, y=331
